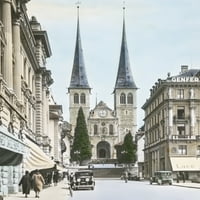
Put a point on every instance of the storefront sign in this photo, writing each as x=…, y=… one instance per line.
x=10, y=143
x=185, y=79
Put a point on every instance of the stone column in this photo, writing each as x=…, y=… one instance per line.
x=7, y=61
x=192, y=120
x=17, y=70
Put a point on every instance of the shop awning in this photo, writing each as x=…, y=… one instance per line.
x=37, y=159
x=185, y=163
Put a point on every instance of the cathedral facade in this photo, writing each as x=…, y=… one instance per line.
x=106, y=127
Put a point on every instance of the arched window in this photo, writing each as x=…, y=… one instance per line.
x=95, y=129
x=130, y=98
x=122, y=98
x=83, y=98
x=76, y=98
x=111, y=129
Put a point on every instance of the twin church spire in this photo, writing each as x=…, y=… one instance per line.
x=124, y=76
x=78, y=77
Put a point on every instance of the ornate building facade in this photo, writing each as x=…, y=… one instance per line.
x=172, y=125
x=24, y=95
x=107, y=127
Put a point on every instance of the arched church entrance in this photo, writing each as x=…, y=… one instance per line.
x=103, y=150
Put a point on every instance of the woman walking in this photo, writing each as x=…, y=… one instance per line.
x=26, y=184
x=38, y=182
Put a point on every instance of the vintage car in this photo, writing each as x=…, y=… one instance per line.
x=162, y=177
x=83, y=179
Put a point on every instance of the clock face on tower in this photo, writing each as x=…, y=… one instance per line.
x=102, y=113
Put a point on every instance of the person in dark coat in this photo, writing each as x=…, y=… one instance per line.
x=26, y=183
x=55, y=177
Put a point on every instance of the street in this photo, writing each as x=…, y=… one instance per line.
x=119, y=190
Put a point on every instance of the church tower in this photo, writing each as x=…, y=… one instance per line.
x=125, y=105
x=79, y=89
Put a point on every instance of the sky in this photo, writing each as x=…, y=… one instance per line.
x=162, y=35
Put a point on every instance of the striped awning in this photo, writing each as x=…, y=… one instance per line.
x=36, y=158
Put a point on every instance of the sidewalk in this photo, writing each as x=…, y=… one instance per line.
x=59, y=192
x=187, y=184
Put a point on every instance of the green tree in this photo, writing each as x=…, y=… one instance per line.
x=81, y=149
x=127, y=151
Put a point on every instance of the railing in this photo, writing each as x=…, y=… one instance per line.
x=183, y=137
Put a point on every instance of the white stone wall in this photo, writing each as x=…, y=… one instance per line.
x=73, y=108
x=126, y=113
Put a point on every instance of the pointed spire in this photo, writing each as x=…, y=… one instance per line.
x=78, y=77
x=124, y=75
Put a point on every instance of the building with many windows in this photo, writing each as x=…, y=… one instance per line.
x=25, y=111
x=107, y=127
x=172, y=124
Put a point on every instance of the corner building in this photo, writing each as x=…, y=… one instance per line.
x=172, y=125
x=106, y=127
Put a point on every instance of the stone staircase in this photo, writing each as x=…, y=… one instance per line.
x=107, y=172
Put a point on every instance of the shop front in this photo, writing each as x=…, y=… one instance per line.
x=12, y=150
x=186, y=167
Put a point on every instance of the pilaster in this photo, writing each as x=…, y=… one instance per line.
x=17, y=57
x=7, y=61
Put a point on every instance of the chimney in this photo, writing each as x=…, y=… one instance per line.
x=184, y=68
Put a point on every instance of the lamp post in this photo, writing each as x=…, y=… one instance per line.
x=124, y=153
x=77, y=153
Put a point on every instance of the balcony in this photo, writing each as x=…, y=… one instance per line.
x=180, y=119
x=182, y=137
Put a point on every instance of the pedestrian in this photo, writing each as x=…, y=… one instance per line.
x=38, y=182
x=55, y=178
x=177, y=177
x=49, y=178
x=71, y=179
x=183, y=177
x=26, y=183
x=69, y=189
x=126, y=176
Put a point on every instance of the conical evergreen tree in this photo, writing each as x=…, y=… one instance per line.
x=81, y=148
x=127, y=151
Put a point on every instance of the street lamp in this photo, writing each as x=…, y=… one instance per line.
x=124, y=153
x=77, y=153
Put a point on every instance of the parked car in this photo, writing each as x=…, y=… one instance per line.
x=83, y=179
x=162, y=177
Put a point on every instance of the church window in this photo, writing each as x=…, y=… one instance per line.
x=95, y=129
x=83, y=98
x=130, y=98
x=122, y=98
x=76, y=98
x=111, y=129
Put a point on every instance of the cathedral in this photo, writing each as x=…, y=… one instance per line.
x=106, y=126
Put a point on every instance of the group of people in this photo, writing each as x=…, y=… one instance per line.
x=36, y=182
